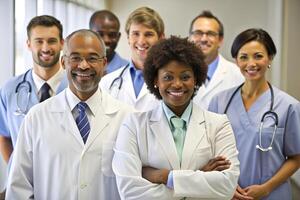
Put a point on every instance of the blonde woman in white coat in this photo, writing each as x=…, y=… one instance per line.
x=152, y=161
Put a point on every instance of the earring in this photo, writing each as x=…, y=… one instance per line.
x=155, y=86
x=269, y=66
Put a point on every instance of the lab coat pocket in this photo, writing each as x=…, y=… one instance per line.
x=201, y=156
x=107, y=156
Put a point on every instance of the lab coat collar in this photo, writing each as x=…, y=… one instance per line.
x=195, y=132
x=106, y=107
x=216, y=79
x=161, y=129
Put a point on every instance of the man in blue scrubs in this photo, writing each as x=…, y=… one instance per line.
x=45, y=79
x=107, y=25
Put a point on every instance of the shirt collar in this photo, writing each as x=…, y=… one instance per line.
x=53, y=82
x=212, y=68
x=134, y=70
x=92, y=102
x=186, y=115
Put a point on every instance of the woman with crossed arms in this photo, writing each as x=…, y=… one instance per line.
x=163, y=153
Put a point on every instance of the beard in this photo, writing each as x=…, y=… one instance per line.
x=86, y=86
x=46, y=64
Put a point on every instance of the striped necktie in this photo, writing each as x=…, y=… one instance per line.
x=82, y=121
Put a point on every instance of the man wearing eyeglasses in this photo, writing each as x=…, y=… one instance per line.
x=207, y=32
x=107, y=25
x=65, y=145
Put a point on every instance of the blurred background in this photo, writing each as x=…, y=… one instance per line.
x=279, y=17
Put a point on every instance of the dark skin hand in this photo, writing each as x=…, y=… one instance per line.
x=154, y=175
x=218, y=163
x=160, y=176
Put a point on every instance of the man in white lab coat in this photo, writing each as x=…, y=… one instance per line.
x=207, y=32
x=144, y=27
x=65, y=145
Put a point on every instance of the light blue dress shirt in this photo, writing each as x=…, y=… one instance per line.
x=137, y=78
x=212, y=68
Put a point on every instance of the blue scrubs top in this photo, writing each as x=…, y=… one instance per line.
x=9, y=122
x=256, y=167
x=116, y=63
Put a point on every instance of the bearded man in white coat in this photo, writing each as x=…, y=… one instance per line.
x=207, y=32
x=65, y=146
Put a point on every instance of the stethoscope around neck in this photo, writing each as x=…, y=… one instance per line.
x=23, y=84
x=119, y=78
x=269, y=113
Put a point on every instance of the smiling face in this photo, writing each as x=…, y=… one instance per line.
x=205, y=34
x=176, y=84
x=140, y=39
x=45, y=46
x=253, y=61
x=85, y=63
x=108, y=29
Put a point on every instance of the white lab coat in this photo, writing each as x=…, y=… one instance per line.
x=227, y=75
x=51, y=161
x=145, y=100
x=295, y=182
x=145, y=139
x=3, y=173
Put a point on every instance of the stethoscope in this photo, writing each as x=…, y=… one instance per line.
x=269, y=113
x=119, y=78
x=23, y=84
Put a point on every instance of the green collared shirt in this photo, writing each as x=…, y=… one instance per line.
x=186, y=115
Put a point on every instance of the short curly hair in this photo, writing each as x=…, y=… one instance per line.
x=174, y=49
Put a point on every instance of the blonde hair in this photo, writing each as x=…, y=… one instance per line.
x=147, y=17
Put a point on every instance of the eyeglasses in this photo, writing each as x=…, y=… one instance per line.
x=91, y=60
x=209, y=34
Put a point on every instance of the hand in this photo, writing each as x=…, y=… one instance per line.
x=241, y=194
x=256, y=191
x=155, y=175
x=218, y=163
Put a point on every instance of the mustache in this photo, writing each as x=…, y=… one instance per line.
x=86, y=72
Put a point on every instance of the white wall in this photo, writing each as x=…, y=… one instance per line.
x=236, y=15
x=177, y=15
x=6, y=43
x=290, y=49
